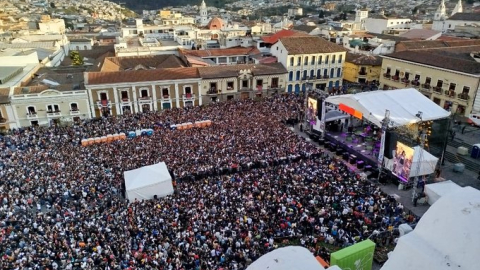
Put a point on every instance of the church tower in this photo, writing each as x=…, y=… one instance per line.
x=458, y=8
x=441, y=12
x=203, y=14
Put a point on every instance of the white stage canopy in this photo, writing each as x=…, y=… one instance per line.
x=403, y=105
x=146, y=182
x=437, y=190
x=428, y=162
x=287, y=258
x=446, y=237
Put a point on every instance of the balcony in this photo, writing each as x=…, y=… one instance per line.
x=387, y=75
x=103, y=104
x=426, y=86
x=406, y=81
x=362, y=73
x=54, y=113
x=125, y=101
x=32, y=115
x=437, y=89
x=213, y=91
x=188, y=97
x=450, y=93
x=166, y=97
x=415, y=83
x=145, y=100
x=396, y=78
x=74, y=112
x=463, y=96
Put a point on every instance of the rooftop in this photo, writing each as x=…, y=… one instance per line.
x=364, y=59
x=431, y=44
x=129, y=76
x=473, y=17
x=233, y=70
x=420, y=34
x=222, y=52
x=456, y=59
x=61, y=79
x=281, y=34
x=142, y=62
x=310, y=45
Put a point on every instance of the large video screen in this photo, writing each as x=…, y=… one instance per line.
x=312, y=111
x=402, y=161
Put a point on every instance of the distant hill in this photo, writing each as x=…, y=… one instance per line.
x=139, y=5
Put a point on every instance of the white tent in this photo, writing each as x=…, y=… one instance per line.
x=428, y=162
x=287, y=258
x=403, y=105
x=437, y=190
x=447, y=237
x=148, y=181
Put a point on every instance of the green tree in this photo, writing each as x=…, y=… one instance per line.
x=77, y=59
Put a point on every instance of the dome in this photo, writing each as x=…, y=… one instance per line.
x=215, y=24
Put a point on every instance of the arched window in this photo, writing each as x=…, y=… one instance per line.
x=332, y=72
x=292, y=61
x=333, y=59
x=313, y=60
x=298, y=75
x=319, y=73
x=340, y=58
x=339, y=72
x=290, y=75
x=305, y=61
x=320, y=60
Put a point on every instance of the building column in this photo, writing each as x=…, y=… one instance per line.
x=117, y=105
x=154, y=97
x=90, y=103
x=199, y=94
x=135, y=101
x=177, y=100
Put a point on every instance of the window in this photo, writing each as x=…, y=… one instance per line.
x=339, y=72
x=53, y=108
x=188, y=90
x=333, y=59
x=332, y=72
x=452, y=86
x=326, y=59
x=290, y=76
x=213, y=87
x=465, y=90
x=259, y=83
x=439, y=83
x=320, y=60
x=230, y=97
x=407, y=75
x=274, y=83
x=304, y=75
x=340, y=59
x=298, y=75
x=319, y=73
x=165, y=92
x=388, y=71
x=397, y=72
x=144, y=93
x=305, y=61
x=245, y=83
x=31, y=110
x=230, y=85
x=312, y=73
x=292, y=61
x=313, y=60
x=428, y=80
x=124, y=95
x=417, y=77
x=74, y=107
x=103, y=96
x=299, y=61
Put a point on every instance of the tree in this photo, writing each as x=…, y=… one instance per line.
x=52, y=5
x=77, y=59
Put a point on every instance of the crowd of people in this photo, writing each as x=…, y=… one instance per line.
x=244, y=185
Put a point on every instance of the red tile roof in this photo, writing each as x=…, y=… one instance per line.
x=222, y=52
x=141, y=75
x=280, y=34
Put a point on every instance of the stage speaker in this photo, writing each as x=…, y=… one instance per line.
x=390, y=144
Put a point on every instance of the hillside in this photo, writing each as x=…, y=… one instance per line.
x=139, y=5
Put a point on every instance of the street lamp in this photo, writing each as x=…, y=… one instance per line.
x=423, y=137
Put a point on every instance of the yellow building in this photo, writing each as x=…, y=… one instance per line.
x=448, y=76
x=4, y=103
x=362, y=68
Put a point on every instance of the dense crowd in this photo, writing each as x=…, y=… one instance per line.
x=245, y=184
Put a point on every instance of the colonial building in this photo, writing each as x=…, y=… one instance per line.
x=362, y=68
x=133, y=91
x=311, y=61
x=53, y=96
x=212, y=57
x=450, y=76
x=241, y=81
